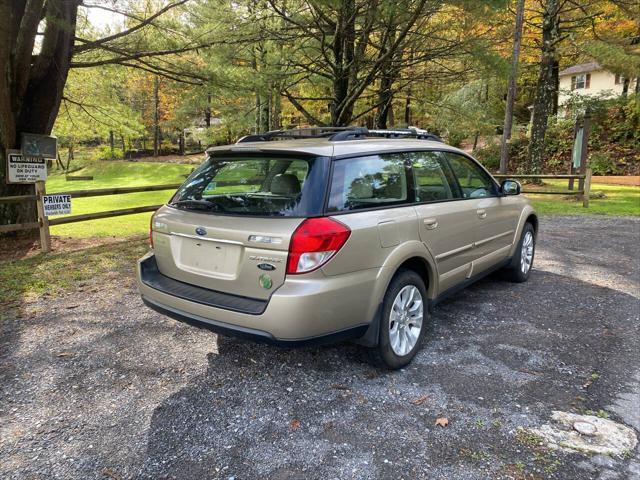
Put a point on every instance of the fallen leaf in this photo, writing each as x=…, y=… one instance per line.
x=420, y=400
x=442, y=421
x=65, y=354
x=107, y=472
x=294, y=424
x=338, y=386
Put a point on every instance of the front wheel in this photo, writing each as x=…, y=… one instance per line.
x=403, y=319
x=522, y=262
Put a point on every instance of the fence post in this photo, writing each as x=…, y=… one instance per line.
x=587, y=188
x=45, y=236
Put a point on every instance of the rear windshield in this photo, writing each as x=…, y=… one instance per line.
x=257, y=186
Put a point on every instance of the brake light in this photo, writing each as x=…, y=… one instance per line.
x=314, y=242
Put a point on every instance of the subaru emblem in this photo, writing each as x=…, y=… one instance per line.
x=201, y=231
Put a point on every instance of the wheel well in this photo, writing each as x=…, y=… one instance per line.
x=533, y=220
x=420, y=266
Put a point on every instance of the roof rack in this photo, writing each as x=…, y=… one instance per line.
x=337, y=134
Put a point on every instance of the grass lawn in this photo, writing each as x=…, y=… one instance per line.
x=619, y=200
x=116, y=174
x=55, y=273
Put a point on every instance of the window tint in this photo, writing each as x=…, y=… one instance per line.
x=250, y=186
x=433, y=181
x=367, y=182
x=474, y=182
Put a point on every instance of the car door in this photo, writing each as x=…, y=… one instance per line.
x=496, y=215
x=446, y=223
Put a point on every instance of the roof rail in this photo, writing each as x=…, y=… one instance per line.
x=337, y=134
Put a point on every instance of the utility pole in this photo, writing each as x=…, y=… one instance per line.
x=511, y=92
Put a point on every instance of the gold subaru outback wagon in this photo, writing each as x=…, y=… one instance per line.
x=321, y=235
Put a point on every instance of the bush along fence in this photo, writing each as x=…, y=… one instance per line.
x=43, y=223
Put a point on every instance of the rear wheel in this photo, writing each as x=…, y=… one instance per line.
x=403, y=319
x=522, y=262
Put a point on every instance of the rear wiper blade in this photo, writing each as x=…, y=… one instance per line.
x=203, y=204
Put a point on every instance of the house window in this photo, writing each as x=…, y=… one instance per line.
x=619, y=79
x=580, y=81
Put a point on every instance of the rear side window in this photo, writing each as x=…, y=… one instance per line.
x=432, y=177
x=368, y=182
x=263, y=186
x=473, y=180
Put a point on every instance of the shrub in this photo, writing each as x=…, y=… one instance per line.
x=489, y=156
x=601, y=164
x=104, y=153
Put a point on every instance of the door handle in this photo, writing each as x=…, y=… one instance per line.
x=430, y=223
x=482, y=213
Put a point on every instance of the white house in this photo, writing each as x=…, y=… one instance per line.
x=590, y=79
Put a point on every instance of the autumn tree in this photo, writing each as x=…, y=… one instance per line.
x=35, y=73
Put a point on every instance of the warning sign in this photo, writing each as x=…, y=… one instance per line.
x=56, y=204
x=25, y=169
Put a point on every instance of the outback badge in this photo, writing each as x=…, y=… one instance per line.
x=265, y=281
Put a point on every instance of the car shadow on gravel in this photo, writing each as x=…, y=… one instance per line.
x=498, y=356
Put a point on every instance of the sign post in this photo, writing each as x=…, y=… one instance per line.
x=45, y=235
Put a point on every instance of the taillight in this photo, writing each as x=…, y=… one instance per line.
x=314, y=242
x=151, y=232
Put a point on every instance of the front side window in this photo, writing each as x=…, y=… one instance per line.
x=261, y=186
x=474, y=182
x=433, y=180
x=368, y=182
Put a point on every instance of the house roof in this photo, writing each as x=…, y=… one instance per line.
x=580, y=68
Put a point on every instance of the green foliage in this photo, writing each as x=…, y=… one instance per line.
x=489, y=156
x=104, y=152
x=601, y=164
x=614, y=139
x=475, y=107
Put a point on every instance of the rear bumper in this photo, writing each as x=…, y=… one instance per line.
x=302, y=311
x=253, y=334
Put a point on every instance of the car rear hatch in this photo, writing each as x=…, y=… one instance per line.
x=229, y=226
x=246, y=257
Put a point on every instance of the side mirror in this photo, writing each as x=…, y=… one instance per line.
x=510, y=187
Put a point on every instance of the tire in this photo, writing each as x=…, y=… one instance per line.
x=398, y=339
x=522, y=262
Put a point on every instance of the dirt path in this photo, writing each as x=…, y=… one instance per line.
x=632, y=180
x=94, y=385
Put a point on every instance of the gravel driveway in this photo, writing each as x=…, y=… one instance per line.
x=94, y=385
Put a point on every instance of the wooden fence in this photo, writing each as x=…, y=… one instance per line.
x=43, y=223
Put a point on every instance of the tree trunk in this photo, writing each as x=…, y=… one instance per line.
x=112, y=144
x=625, y=87
x=511, y=90
x=207, y=112
x=556, y=86
x=545, y=87
x=156, y=116
x=31, y=86
x=344, y=53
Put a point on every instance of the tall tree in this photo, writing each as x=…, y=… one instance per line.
x=511, y=89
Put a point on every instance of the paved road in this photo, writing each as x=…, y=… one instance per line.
x=93, y=385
